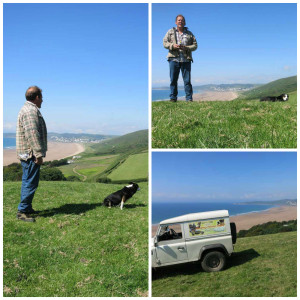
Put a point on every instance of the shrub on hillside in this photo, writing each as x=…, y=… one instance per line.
x=269, y=228
x=12, y=172
x=73, y=178
x=56, y=163
x=51, y=174
x=103, y=180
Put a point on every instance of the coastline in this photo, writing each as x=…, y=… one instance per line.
x=247, y=220
x=204, y=96
x=55, y=151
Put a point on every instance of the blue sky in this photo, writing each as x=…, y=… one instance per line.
x=91, y=60
x=223, y=176
x=237, y=43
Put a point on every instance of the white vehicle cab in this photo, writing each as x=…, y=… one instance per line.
x=207, y=237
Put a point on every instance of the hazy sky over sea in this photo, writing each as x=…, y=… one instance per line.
x=91, y=60
x=237, y=43
x=223, y=176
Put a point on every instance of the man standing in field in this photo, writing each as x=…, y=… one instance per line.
x=180, y=42
x=31, y=144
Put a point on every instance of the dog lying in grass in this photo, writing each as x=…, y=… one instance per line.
x=282, y=97
x=121, y=196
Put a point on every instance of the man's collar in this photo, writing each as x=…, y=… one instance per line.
x=31, y=103
x=184, y=29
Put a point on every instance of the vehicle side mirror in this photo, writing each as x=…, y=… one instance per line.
x=155, y=241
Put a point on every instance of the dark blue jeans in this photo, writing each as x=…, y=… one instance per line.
x=30, y=182
x=185, y=68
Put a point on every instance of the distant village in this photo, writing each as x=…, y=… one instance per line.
x=62, y=139
x=233, y=89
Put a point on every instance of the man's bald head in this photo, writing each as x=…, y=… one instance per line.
x=33, y=92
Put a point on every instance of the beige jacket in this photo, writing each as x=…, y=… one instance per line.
x=170, y=40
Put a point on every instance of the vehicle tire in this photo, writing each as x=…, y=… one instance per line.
x=233, y=232
x=213, y=261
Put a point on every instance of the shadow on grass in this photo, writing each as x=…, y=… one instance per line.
x=79, y=208
x=237, y=258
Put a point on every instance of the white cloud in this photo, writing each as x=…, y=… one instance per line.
x=9, y=126
x=287, y=68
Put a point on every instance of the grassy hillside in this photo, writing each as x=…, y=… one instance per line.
x=274, y=88
x=235, y=124
x=262, y=266
x=134, y=142
x=101, y=159
x=76, y=247
x=134, y=167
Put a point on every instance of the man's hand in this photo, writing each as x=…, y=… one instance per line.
x=176, y=46
x=39, y=161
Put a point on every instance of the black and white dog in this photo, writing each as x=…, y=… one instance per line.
x=121, y=196
x=282, y=97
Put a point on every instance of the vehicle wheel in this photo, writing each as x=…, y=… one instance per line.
x=233, y=232
x=213, y=261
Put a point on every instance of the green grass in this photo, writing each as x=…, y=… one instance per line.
x=76, y=247
x=234, y=124
x=135, y=167
x=262, y=266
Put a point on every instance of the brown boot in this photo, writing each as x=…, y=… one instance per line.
x=25, y=217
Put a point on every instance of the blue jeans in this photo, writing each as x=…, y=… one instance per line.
x=185, y=68
x=30, y=182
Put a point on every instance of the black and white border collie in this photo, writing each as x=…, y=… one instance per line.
x=282, y=97
x=121, y=196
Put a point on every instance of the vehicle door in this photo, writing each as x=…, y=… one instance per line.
x=171, y=247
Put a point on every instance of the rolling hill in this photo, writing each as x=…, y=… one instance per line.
x=99, y=160
x=133, y=142
x=274, y=88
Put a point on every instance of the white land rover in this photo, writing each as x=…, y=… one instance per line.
x=207, y=237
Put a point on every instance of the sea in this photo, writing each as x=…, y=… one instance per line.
x=163, y=211
x=9, y=143
x=165, y=94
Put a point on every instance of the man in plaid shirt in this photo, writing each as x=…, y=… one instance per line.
x=31, y=140
x=180, y=42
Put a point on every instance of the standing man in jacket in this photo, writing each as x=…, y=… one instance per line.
x=31, y=144
x=180, y=42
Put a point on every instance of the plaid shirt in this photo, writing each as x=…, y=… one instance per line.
x=182, y=39
x=31, y=134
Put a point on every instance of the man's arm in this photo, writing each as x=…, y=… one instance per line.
x=194, y=46
x=167, y=43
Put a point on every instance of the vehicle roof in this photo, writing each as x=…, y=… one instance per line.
x=197, y=216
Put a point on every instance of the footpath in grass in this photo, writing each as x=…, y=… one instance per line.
x=234, y=124
x=261, y=266
x=76, y=247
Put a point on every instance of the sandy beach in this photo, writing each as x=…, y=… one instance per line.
x=213, y=96
x=246, y=221
x=55, y=151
